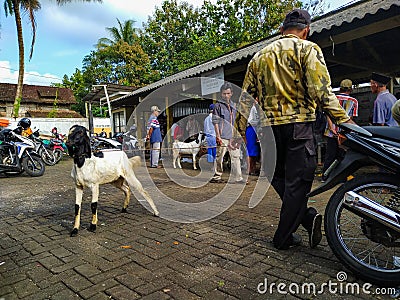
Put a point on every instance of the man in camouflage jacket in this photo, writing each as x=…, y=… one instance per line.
x=290, y=79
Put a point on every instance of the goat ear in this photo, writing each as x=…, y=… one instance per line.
x=87, y=148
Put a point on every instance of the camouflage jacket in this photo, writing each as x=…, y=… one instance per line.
x=290, y=78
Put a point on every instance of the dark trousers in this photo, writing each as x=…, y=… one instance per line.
x=293, y=177
x=331, y=152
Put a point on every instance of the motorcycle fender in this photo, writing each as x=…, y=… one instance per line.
x=350, y=163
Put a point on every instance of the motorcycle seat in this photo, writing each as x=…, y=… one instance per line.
x=390, y=133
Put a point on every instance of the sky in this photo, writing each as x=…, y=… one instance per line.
x=66, y=34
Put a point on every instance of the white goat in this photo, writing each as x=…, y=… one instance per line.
x=90, y=171
x=192, y=148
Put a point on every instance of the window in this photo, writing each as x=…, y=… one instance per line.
x=119, y=121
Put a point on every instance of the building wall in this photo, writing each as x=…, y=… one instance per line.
x=46, y=124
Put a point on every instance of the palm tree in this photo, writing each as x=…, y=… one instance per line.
x=125, y=33
x=14, y=7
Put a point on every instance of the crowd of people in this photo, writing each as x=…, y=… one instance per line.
x=285, y=83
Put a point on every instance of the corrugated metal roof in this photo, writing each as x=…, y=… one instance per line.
x=336, y=18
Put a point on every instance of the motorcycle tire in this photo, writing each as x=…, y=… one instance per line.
x=363, y=251
x=48, y=157
x=33, y=165
x=58, y=154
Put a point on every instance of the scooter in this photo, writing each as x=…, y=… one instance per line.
x=362, y=217
x=100, y=143
x=43, y=149
x=17, y=154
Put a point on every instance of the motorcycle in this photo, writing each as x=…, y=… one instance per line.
x=43, y=149
x=100, y=143
x=362, y=217
x=130, y=144
x=56, y=146
x=17, y=154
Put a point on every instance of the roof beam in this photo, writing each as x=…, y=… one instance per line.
x=360, y=32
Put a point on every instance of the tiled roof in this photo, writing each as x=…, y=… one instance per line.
x=36, y=94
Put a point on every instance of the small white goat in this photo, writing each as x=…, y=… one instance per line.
x=90, y=171
x=179, y=148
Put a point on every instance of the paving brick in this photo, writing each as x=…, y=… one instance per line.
x=50, y=262
x=159, y=295
x=87, y=270
x=121, y=292
x=65, y=294
x=25, y=288
x=77, y=283
x=61, y=252
x=98, y=288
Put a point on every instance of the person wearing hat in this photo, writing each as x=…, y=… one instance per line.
x=290, y=79
x=384, y=101
x=209, y=131
x=154, y=136
x=350, y=105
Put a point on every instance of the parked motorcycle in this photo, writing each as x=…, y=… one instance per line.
x=100, y=143
x=43, y=149
x=56, y=146
x=130, y=144
x=17, y=154
x=362, y=217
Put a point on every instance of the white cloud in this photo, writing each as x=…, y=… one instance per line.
x=10, y=75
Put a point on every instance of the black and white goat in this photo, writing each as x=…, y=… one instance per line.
x=192, y=148
x=90, y=171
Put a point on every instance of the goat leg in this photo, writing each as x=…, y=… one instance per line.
x=78, y=202
x=93, y=206
x=127, y=191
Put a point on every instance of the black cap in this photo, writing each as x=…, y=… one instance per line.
x=297, y=17
x=380, y=78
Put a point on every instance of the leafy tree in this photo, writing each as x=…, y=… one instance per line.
x=126, y=32
x=172, y=30
x=80, y=89
x=14, y=7
x=178, y=36
x=119, y=63
x=233, y=24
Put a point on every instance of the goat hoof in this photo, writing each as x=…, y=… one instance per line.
x=74, y=232
x=156, y=213
x=124, y=210
x=92, y=227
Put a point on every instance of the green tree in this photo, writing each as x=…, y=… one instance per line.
x=79, y=87
x=178, y=36
x=14, y=7
x=233, y=24
x=126, y=32
x=172, y=30
x=119, y=63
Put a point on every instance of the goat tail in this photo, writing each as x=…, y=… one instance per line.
x=135, y=161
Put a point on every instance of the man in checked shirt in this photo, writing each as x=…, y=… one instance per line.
x=290, y=79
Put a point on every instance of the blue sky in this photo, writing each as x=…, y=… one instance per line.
x=66, y=34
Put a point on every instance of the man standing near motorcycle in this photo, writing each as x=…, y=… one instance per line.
x=290, y=79
x=384, y=101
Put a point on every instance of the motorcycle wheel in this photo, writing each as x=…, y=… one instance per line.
x=58, y=154
x=359, y=243
x=48, y=157
x=33, y=165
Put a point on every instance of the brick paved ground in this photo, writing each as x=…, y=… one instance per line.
x=137, y=255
